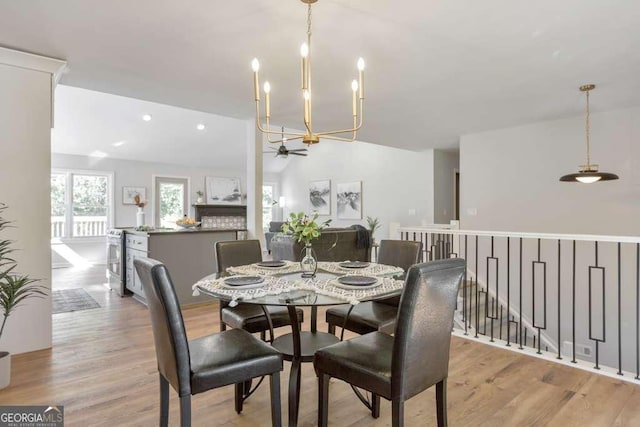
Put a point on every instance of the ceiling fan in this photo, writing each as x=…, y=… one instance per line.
x=284, y=151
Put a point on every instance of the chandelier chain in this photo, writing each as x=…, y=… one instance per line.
x=309, y=20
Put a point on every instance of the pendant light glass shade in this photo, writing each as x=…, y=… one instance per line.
x=588, y=173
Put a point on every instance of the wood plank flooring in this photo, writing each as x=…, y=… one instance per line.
x=102, y=368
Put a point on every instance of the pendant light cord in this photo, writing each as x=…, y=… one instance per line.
x=587, y=125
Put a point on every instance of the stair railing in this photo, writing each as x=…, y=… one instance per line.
x=575, y=295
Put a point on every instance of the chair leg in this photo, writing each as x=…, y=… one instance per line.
x=164, y=401
x=375, y=405
x=221, y=305
x=185, y=411
x=323, y=399
x=332, y=329
x=239, y=397
x=397, y=413
x=441, y=402
x=276, y=411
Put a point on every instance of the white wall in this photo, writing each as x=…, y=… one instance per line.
x=135, y=174
x=510, y=177
x=25, y=138
x=394, y=181
x=445, y=163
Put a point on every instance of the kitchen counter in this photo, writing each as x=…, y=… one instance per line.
x=189, y=255
x=183, y=230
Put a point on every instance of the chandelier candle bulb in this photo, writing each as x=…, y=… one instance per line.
x=354, y=88
x=304, y=52
x=256, y=84
x=361, y=77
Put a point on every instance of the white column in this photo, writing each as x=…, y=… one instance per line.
x=254, y=182
x=26, y=112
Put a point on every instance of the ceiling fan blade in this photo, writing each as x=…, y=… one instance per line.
x=297, y=149
x=296, y=154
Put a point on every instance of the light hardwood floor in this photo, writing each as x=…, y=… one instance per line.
x=102, y=368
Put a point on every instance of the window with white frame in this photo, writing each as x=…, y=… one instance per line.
x=171, y=200
x=81, y=203
x=268, y=201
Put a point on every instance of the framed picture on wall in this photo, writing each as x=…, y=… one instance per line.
x=223, y=190
x=349, y=200
x=320, y=196
x=129, y=194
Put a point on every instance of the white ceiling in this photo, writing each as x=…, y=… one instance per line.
x=105, y=125
x=436, y=69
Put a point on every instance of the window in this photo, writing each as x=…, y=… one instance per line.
x=81, y=204
x=268, y=200
x=171, y=202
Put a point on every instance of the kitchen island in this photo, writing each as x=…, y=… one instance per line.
x=188, y=254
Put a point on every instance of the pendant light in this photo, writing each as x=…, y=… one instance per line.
x=588, y=173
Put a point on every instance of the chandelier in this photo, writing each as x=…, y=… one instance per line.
x=309, y=136
x=588, y=173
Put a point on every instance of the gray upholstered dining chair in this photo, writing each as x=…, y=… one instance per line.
x=250, y=317
x=377, y=315
x=415, y=358
x=211, y=361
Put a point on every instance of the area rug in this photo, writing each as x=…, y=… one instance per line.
x=66, y=300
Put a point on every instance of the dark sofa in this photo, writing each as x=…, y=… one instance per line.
x=334, y=244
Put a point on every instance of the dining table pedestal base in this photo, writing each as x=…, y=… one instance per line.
x=297, y=347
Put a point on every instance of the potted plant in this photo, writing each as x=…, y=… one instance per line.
x=374, y=224
x=14, y=289
x=304, y=228
x=200, y=195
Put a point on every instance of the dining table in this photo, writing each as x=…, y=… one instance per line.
x=279, y=283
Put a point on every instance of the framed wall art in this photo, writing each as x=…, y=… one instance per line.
x=223, y=191
x=349, y=200
x=129, y=194
x=320, y=196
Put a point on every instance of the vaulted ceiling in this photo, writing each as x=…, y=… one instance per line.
x=436, y=69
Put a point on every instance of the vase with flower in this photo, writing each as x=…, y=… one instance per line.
x=304, y=228
x=140, y=215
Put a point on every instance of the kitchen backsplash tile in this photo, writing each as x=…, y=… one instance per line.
x=224, y=222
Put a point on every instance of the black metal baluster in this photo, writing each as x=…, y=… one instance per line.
x=573, y=306
x=508, y=291
x=619, y=313
x=464, y=291
x=520, y=296
x=501, y=310
x=559, y=304
x=638, y=311
x=477, y=290
x=604, y=314
x=493, y=312
x=544, y=296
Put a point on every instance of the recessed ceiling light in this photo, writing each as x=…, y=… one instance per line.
x=146, y=117
x=200, y=126
x=119, y=143
x=98, y=153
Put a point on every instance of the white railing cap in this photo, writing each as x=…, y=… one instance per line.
x=548, y=236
